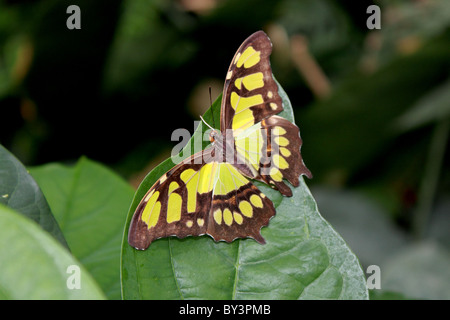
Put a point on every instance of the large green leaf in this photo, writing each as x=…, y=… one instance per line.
x=19, y=191
x=433, y=107
x=89, y=201
x=304, y=258
x=33, y=265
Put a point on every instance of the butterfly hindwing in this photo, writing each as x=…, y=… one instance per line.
x=238, y=209
x=272, y=149
x=280, y=154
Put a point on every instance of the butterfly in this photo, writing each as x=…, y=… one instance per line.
x=211, y=191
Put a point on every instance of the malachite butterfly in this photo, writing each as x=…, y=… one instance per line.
x=211, y=192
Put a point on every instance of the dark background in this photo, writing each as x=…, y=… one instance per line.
x=373, y=106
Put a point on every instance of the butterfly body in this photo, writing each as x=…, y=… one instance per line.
x=211, y=192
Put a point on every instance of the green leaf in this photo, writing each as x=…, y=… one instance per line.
x=433, y=107
x=18, y=190
x=89, y=201
x=33, y=265
x=304, y=258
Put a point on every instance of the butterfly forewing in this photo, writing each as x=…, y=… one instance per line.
x=250, y=92
x=172, y=206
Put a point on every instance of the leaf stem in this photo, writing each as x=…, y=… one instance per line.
x=430, y=178
x=236, y=274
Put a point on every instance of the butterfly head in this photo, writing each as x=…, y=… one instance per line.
x=213, y=135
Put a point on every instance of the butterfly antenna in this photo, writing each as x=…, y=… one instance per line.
x=206, y=123
x=210, y=99
x=210, y=103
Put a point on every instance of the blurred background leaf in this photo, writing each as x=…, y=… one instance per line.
x=421, y=270
x=372, y=105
